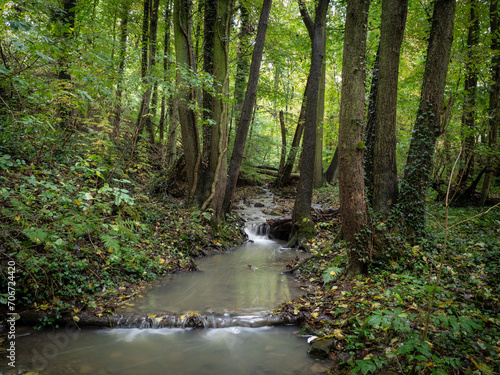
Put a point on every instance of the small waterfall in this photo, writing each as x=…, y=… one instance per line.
x=196, y=320
x=257, y=232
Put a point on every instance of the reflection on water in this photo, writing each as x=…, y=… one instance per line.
x=246, y=280
x=234, y=350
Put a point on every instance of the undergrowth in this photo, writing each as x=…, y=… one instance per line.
x=81, y=230
x=375, y=323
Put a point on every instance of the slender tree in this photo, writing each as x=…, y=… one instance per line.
x=353, y=207
x=248, y=106
x=427, y=126
x=302, y=223
x=385, y=180
x=470, y=88
x=318, y=158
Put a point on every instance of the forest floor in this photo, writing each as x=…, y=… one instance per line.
x=375, y=323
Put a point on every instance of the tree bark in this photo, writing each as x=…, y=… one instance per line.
x=353, y=207
x=470, y=88
x=385, y=179
x=494, y=99
x=427, y=126
x=187, y=97
x=248, y=107
x=303, y=225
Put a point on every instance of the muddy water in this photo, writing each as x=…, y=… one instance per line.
x=244, y=282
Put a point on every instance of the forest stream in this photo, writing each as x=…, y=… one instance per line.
x=233, y=290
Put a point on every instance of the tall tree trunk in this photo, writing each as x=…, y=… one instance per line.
x=385, y=179
x=470, y=88
x=187, y=97
x=302, y=223
x=427, y=126
x=494, y=111
x=353, y=207
x=248, y=107
x=117, y=113
x=213, y=167
x=318, y=158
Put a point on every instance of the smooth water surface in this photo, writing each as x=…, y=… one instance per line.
x=246, y=280
x=122, y=351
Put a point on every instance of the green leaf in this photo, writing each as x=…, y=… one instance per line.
x=4, y=70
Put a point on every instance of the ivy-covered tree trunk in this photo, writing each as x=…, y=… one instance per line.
x=248, y=107
x=469, y=106
x=494, y=100
x=301, y=218
x=427, y=126
x=117, y=113
x=385, y=179
x=212, y=172
x=353, y=207
x=186, y=95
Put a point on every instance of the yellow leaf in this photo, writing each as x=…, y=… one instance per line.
x=338, y=334
x=314, y=315
x=76, y=309
x=76, y=318
x=77, y=202
x=17, y=218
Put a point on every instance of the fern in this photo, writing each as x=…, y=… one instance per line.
x=110, y=242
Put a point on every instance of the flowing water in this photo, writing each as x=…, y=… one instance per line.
x=242, y=286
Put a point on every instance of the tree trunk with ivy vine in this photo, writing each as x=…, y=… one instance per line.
x=353, y=207
x=427, y=126
x=187, y=95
